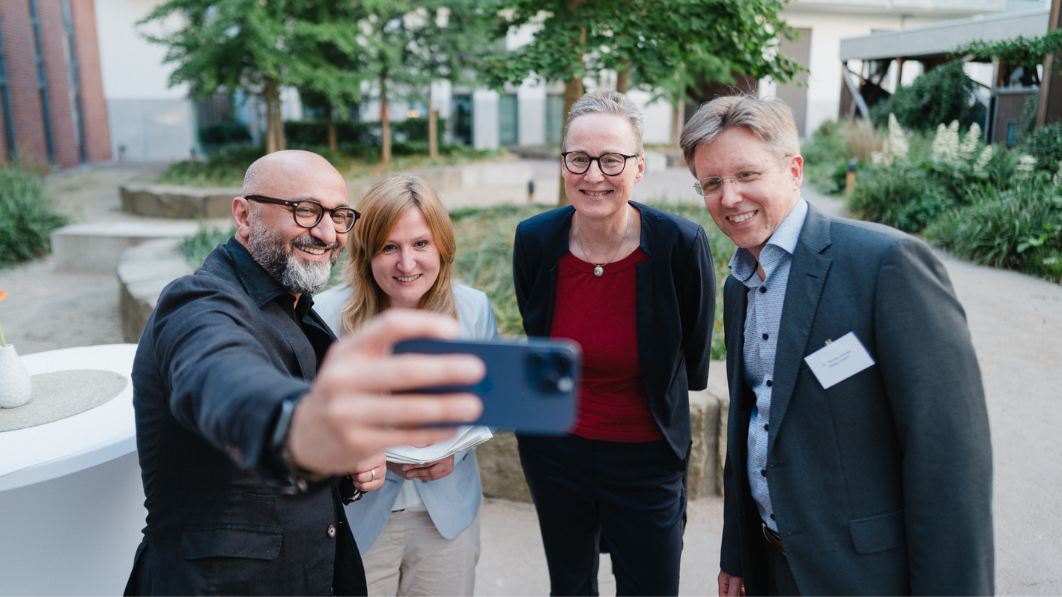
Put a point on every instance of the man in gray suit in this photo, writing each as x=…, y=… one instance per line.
x=858, y=454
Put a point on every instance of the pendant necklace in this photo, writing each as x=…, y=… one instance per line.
x=599, y=268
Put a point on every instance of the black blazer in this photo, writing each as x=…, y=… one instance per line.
x=676, y=305
x=218, y=356
x=882, y=484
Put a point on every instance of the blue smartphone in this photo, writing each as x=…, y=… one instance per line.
x=530, y=387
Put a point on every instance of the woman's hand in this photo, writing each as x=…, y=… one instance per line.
x=431, y=471
x=369, y=474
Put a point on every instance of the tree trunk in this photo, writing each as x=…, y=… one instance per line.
x=573, y=90
x=274, y=127
x=433, y=125
x=678, y=120
x=385, y=122
x=623, y=77
x=333, y=144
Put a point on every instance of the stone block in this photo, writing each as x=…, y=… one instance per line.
x=171, y=201
x=96, y=246
x=503, y=477
x=143, y=272
x=500, y=470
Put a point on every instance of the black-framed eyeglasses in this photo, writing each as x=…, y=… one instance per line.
x=611, y=164
x=712, y=185
x=308, y=213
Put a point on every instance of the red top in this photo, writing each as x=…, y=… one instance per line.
x=601, y=315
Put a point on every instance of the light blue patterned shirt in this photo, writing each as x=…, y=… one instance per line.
x=762, y=320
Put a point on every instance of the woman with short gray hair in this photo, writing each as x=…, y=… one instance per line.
x=635, y=287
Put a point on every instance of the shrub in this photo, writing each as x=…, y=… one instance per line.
x=224, y=167
x=196, y=247
x=903, y=196
x=938, y=96
x=1018, y=228
x=224, y=133
x=348, y=132
x=416, y=129
x=27, y=217
x=1045, y=144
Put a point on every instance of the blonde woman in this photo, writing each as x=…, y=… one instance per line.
x=419, y=533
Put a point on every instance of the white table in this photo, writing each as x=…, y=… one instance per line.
x=71, y=499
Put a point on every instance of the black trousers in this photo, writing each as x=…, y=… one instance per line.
x=627, y=497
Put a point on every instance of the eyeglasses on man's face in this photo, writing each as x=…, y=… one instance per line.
x=713, y=185
x=611, y=164
x=308, y=213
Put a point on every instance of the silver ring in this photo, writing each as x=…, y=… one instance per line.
x=373, y=471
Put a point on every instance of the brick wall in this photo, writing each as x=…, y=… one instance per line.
x=93, y=105
x=27, y=110
x=57, y=75
x=23, y=91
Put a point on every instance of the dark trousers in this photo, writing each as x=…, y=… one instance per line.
x=626, y=497
x=781, y=581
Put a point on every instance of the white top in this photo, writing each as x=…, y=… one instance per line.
x=474, y=317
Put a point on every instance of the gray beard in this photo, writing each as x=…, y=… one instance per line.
x=279, y=259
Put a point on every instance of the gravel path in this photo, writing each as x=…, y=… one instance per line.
x=1015, y=320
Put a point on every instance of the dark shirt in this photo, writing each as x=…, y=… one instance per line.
x=220, y=354
x=263, y=288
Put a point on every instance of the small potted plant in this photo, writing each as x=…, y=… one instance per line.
x=15, y=386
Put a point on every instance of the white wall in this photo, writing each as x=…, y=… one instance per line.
x=149, y=120
x=827, y=30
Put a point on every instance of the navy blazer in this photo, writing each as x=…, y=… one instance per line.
x=676, y=305
x=219, y=354
x=881, y=484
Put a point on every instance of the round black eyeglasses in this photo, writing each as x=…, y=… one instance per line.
x=308, y=213
x=611, y=164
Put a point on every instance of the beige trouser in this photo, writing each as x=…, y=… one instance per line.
x=411, y=558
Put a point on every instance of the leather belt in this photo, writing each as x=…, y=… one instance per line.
x=772, y=538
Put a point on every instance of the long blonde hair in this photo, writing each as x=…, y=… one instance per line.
x=382, y=208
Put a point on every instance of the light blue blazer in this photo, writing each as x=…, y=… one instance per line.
x=454, y=500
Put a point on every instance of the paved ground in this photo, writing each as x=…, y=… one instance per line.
x=1015, y=320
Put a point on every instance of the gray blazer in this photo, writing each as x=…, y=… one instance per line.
x=882, y=484
x=454, y=500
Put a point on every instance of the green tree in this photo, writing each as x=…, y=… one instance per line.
x=448, y=43
x=666, y=44
x=938, y=96
x=257, y=47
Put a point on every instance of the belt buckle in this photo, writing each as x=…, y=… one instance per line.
x=772, y=537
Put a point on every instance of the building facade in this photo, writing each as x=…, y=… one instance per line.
x=51, y=90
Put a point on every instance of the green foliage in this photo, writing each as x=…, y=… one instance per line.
x=222, y=168
x=1045, y=144
x=903, y=197
x=196, y=247
x=938, y=96
x=672, y=43
x=257, y=46
x=224, y=133
x=27, y=217
x=416, y=129
x=348, y=132
x=1018, y=228
x=1019, y=51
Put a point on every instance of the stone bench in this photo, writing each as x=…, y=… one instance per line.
x=96, y=246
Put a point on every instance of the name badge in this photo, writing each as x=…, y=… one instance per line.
x=839, y=360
